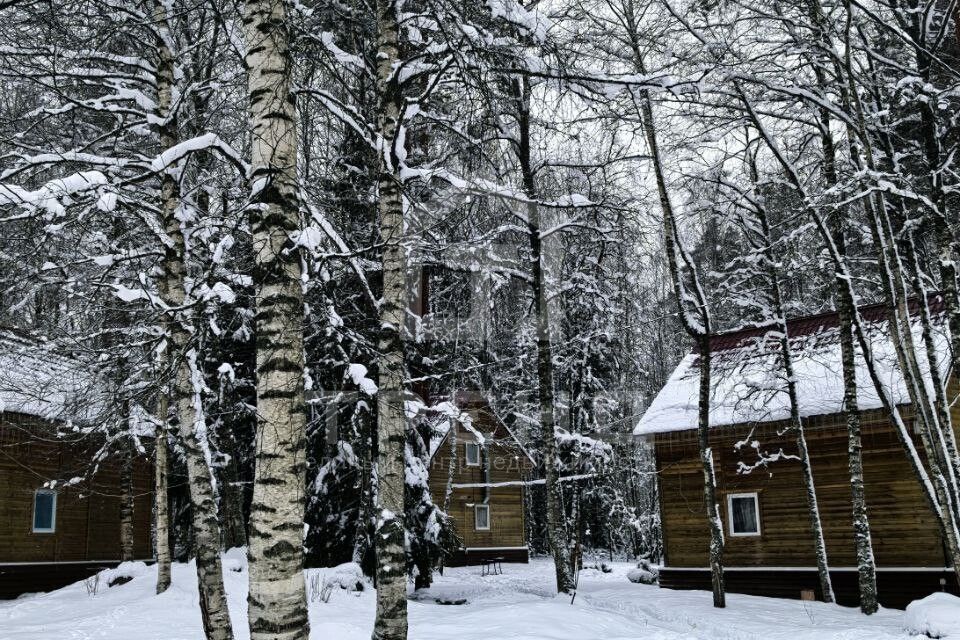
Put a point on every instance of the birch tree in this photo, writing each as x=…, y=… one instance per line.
x=391, y=617
x=184, y=352
x=695, y=313
x=277, y=601
x=557, y=535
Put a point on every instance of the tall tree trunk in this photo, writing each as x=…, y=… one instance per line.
x=206, y=529
x=277, y=602
x=126, y=504
x=863, y=541
x=556, y=531
x=391, y=616
x=231, y=505
x=710, y=476
x=823, y=63
x=700, y=330
x=161, y=505
x=796, y=422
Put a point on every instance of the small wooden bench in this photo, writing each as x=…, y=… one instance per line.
x=491, y=567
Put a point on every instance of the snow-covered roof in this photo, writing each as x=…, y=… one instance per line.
x=748, y=384
x=442, y=416
x=35, y=380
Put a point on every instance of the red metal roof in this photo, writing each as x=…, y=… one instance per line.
x=814, y=324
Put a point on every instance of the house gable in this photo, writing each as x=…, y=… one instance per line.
x=496, y=481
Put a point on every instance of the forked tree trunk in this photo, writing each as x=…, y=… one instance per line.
x=206, y=529
x=277, y=601
x=391, y=616
x=556, y=531
x=161, y=505
x=700, y=334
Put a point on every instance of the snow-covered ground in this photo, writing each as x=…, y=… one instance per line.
x=517, y=605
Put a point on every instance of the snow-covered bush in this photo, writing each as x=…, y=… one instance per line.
x=322, y=582
x=644, y=573
x=936, y=616
x=122, y=573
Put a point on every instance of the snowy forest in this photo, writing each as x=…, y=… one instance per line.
x=279, y=248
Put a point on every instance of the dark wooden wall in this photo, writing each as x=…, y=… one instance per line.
x=903, y=527
x=87, y=514
x=508, y=463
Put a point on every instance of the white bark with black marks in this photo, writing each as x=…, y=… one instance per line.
x=161, y=505
x=277, y=600
x=206, y=527
x=796, y=422
x=391, y=616
x=557, y=534
x=698, y=327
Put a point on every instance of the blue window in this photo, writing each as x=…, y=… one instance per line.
x=44, y=511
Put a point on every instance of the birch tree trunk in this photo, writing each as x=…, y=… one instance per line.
x=796, y=422
x=863, y=541
x=126, y=504
x=866, y=562
x=206, y=528
x=277, y=602
x=391, y=617
x=710, y=477
x=699, y=330
x=161, y=503
x=556, y=531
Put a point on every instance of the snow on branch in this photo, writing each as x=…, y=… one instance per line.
x=205, y=142
x=50, y=195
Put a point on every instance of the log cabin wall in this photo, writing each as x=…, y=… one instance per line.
x=906, y=542
x=904, y=530
x=507, y=463
x=87, y=526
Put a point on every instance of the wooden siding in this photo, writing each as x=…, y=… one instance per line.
x=903, y=527
x=507, y=463
x=894, y=588
x=87, y=514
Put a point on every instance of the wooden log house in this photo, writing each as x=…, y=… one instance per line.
x=59, y=522
x=485, y=494
x=768, y=542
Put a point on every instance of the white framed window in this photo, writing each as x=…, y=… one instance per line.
x=743, y=514
x=481, y=517
x=44, y=511
x=472, y=450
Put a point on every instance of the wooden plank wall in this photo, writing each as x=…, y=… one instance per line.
x=903, y=528
x=507, y=464
x=87, y=514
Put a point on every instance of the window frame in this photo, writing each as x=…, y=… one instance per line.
x=53, y=512
x=466, y=453
x=476, y=509
x=756, y=506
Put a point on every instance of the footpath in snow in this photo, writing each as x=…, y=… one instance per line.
x=518, y=605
